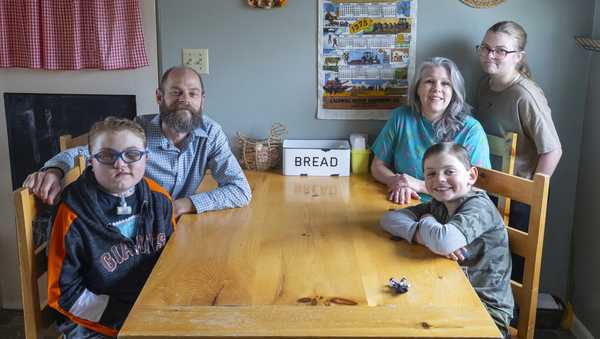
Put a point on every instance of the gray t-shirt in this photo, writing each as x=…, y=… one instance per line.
x=521, y=108
x=487, y=259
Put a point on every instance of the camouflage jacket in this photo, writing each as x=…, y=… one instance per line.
x=487, y=261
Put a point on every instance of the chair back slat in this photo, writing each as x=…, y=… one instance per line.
x=517, y=290
x=518, y=241
x=528, y=245
x=496, y=145
x=67, y=141
x=515, y=187
x=76, y=171
x=70, y=177
x=505, y=148
x=80, y=163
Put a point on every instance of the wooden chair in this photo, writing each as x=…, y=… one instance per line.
x=33, y=262
x=67, y=141
x=76, y=171
x=506, y=149
x=525, y=244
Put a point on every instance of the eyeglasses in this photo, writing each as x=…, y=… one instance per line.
x=110, y=157
x=499, y=53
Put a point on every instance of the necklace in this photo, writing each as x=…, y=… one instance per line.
x=502, y=88
x=517, y=77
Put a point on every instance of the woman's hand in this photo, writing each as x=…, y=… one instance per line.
x=400, y=180
x=402, y=196
x=401, y=187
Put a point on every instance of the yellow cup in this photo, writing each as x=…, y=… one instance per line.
x=360, y=161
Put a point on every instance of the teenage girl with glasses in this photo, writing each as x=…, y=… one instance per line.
x=508, y=100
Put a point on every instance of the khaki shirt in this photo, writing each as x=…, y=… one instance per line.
x=522, y=108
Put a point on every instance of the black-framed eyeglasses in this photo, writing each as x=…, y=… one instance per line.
x=110, y=157
x=499, y=53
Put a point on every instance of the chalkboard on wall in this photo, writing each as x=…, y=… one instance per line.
x=36, y=121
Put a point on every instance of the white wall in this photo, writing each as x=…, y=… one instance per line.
x=139, y=82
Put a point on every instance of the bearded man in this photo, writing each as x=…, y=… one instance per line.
x=182, y=144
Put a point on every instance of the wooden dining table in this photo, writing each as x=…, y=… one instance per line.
x=306, y=259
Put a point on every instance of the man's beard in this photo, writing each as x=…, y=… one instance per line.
x=181, y=119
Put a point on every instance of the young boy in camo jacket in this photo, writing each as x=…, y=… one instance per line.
x=462, y=224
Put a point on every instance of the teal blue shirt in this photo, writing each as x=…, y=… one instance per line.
x=406, y=136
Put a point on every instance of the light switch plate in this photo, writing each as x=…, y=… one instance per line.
x=196, y=58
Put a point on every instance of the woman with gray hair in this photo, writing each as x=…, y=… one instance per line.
x=437, y=113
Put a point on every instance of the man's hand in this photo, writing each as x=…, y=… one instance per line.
x=183, y=206
x=45, y=184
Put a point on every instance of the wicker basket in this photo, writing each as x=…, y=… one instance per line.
x=482, y=3
x=262, y=154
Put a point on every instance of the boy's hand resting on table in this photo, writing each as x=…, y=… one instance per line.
x=458, y=255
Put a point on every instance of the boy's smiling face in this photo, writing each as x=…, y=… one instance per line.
x=446, y=178
x=120, y=176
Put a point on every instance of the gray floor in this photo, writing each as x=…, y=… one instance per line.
x=11, y=326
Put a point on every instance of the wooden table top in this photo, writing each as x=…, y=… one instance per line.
x=244, y=272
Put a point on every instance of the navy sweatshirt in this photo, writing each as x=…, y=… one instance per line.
x=91, y=263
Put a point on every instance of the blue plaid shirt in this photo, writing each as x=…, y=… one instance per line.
x=180, y=171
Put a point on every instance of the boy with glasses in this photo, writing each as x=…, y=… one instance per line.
x=108, y=232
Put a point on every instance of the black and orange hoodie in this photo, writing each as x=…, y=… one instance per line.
x=94, y=272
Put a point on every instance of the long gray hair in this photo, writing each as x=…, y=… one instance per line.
x=453, y=118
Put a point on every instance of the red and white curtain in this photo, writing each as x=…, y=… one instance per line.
x=71, y=34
